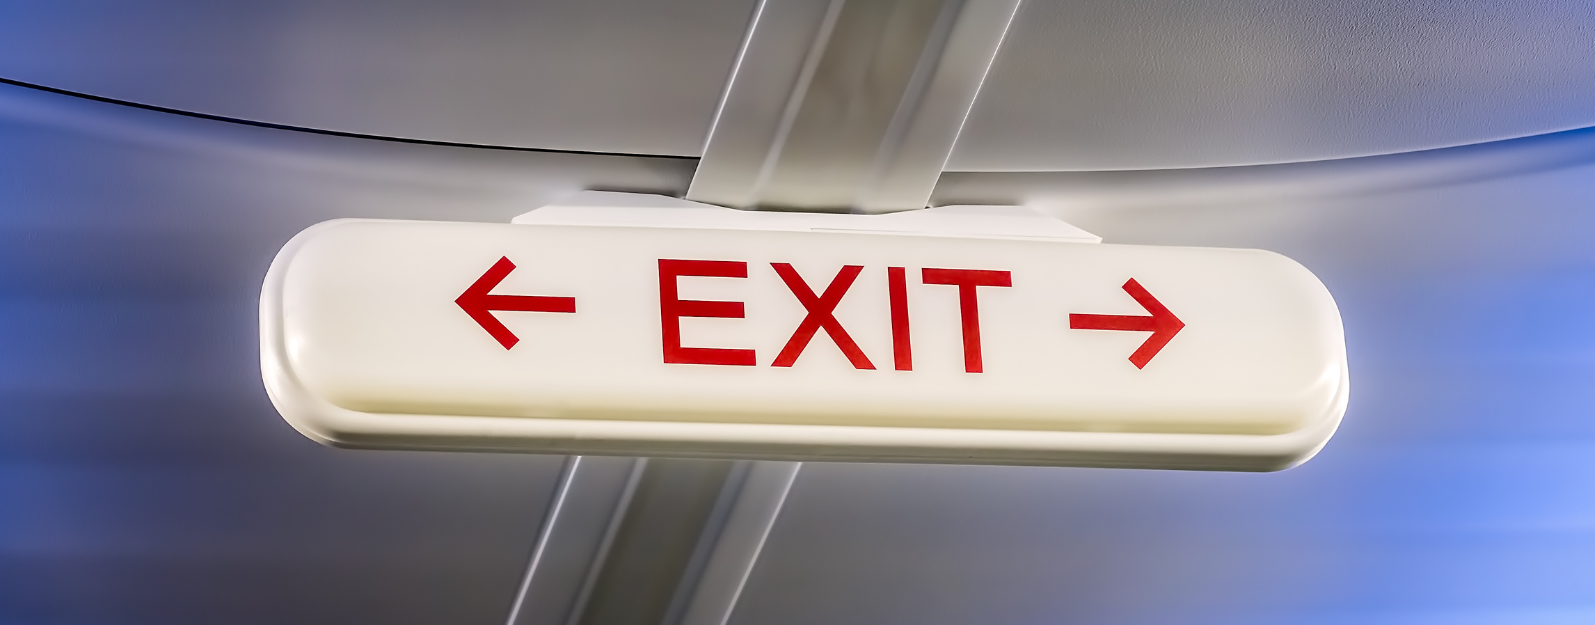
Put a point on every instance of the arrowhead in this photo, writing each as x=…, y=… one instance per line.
x=475, y=301
x=1164, y=324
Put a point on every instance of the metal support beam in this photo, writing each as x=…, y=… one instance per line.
x=834, y=105
x=848, y=105
x=649, y=541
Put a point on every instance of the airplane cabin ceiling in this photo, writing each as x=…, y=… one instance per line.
x=1147, y=84
x=561, y=74
x=1079, y=85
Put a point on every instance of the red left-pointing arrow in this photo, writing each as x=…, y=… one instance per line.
x=479, y=304
x=1162, y=324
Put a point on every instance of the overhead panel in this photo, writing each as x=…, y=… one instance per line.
x=1148, y=84
x=1078, y=85
x=630, y=76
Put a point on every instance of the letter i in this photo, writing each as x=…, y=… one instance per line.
x=897, y=290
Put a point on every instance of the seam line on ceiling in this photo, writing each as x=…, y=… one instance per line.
x=321, y=131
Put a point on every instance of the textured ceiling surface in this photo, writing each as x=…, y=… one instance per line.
x=1079, y=85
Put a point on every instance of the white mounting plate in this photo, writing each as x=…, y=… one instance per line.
x=605, y=208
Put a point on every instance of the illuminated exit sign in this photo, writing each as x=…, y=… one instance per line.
x=621, y=324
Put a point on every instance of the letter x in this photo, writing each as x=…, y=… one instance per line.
x=820, y=316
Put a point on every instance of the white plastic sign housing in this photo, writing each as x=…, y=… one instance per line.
x=621, y=324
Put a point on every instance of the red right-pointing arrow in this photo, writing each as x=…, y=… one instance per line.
x=478, y=303
x=1162, y=324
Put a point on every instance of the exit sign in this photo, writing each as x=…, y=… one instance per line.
x=620, y=324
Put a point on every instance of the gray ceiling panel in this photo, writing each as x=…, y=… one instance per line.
x=1079, y=85
x=633, y=76
x=1144, y=84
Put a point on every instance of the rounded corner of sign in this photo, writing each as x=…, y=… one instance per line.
x=1295, y=455
x=1292, y=461
x=1299, y=266
x=312, y=230
x=271, y=289
x=320, y=421
x=1305, y=444
x=309, y=415
x=312, y=428
x=306, y=414
x=1292, y=458
x=1253, y=453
